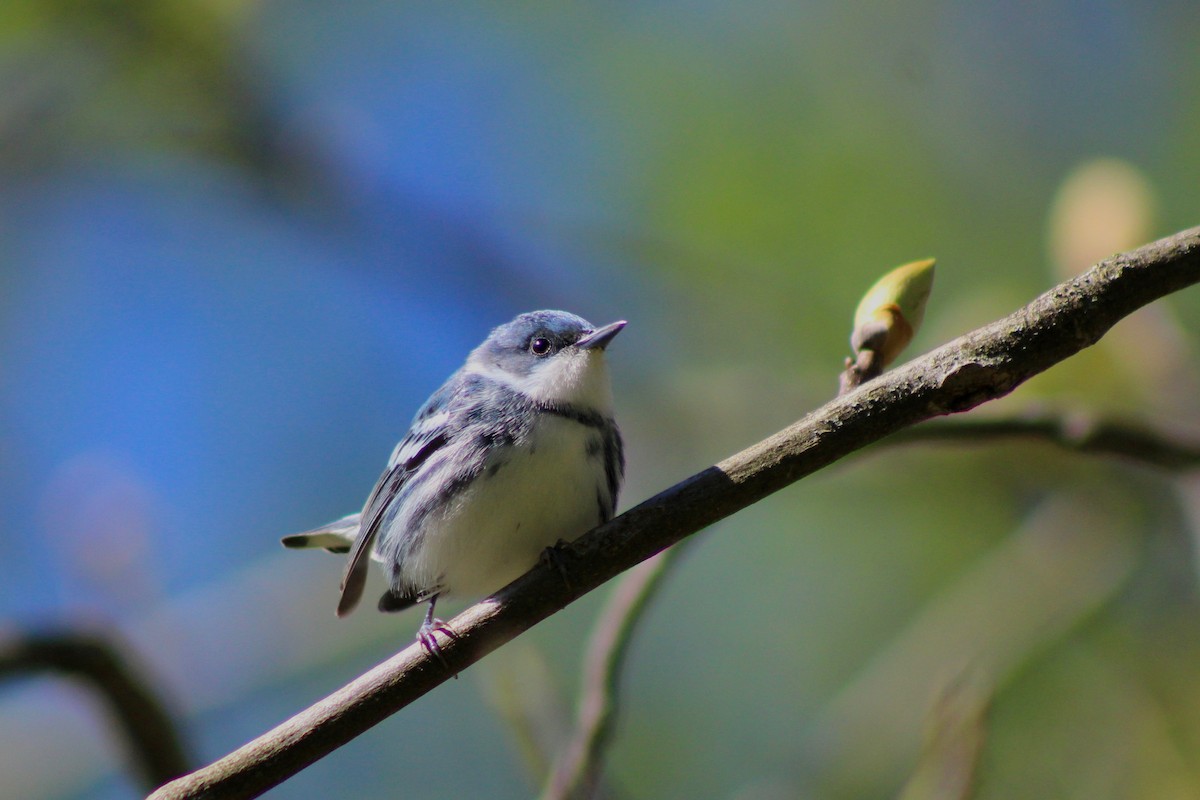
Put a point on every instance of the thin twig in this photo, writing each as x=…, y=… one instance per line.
x=957, y=727
x=522, y=691
x=980, y=366
x=866, y=365
x=1075, y=432
x=577, y=770
x=149, y=731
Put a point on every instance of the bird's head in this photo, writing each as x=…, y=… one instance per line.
x=551, y=356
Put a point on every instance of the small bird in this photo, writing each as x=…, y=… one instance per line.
x=516, y=452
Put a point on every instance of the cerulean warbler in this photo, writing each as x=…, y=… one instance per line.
x=517, y=451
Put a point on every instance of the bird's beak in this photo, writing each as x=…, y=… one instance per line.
x=599, y=338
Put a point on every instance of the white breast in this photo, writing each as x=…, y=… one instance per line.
x=495, y=529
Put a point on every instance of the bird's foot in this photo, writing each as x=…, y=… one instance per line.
x=427, y=636
x=556, y=556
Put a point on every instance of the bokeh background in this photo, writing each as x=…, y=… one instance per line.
x=240, y=242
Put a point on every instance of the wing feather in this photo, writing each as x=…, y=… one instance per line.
x=386, y=490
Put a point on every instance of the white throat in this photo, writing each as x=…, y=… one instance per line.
x=573, y=377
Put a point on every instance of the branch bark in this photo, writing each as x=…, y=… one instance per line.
x=980, y=366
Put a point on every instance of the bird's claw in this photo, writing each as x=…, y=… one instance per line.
x=556, y=556
x=427, y=636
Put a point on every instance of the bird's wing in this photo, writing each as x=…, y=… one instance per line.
x=410, y=454
x=355, y=576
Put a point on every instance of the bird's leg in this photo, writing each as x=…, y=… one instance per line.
x=556, y=556
x=427, y=633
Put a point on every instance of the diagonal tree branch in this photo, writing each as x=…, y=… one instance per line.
x=577, y=770
x=980, y=366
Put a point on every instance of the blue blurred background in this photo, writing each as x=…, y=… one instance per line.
x=240, y=242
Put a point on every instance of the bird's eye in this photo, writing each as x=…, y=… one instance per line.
x=540, y=346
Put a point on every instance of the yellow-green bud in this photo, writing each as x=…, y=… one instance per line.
x=890, y=313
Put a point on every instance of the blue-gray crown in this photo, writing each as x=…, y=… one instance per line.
x=536, y=335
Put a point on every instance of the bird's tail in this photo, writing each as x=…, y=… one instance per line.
x=336, y=537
